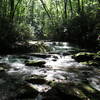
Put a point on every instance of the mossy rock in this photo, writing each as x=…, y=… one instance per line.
x=84, y=56
x=61, y=91
x=98, y=53
x=92, y=59
x=35, y=63
x=40, y=55
x=51, y=83
x=89, y=88
x=26, y=92
x=91, y=63
x=90, y=92
x=72, y=91
x=97, y=58
x=5, y=66
x=2, y=69
x=41, y=47
x=35, y=79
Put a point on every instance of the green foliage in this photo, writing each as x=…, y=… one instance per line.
x=77, y=21
x=7, y=32
x=24, y=31
x=10, y=33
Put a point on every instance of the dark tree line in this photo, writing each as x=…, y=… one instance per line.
x=77, y=21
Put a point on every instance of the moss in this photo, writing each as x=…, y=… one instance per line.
x=91, y=63
x=79, y=93
x=75, y=91
x=84, y=56
x=87, y=58
x=35, y=63
x=97, y=57
x=68, y=90
x=41, y=47
x=51, y=83
x=89, y=89
x=98, y=53
x=2, y=69
x=90, y=92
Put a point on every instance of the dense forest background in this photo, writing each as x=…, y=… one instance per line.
x=49, y=49
x=76, y=21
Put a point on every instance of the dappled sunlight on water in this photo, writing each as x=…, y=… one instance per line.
x=63, y=62
x=59, y=67
x=41, y=88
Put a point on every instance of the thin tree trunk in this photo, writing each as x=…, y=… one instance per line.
x=65, y=9
x=57, y=10
x=13, y=8
x=0, y=8
x=82, y=6
x=70, y=2
x=79, y=8
x=46, y=10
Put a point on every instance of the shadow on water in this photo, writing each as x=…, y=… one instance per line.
x=22, y=77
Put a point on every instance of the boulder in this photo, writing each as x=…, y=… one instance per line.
x=84, y=56
x=62, y=91
x=35, y=63
x=26, y=92
x=41, y=55
x=35, y=79
x=71, y=91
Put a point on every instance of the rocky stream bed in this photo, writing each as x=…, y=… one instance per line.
x=53, y=75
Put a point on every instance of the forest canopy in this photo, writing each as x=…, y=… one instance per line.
x=76, y=21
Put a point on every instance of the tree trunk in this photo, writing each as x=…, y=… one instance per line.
x=70, y=2
x=79, y=8
x=46, y=10
x=13, y=8
x=65, y=9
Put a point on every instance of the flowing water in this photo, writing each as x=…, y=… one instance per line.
x=59, y=67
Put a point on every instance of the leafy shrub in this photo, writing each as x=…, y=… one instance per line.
x=11, y=32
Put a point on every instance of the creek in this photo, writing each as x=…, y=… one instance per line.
x=59, y=67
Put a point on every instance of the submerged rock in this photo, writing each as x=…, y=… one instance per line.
x=26, y=92
x=71, y=91
x=62, y=91
x=35, y=63
x=41, y=55
x=35, y=79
